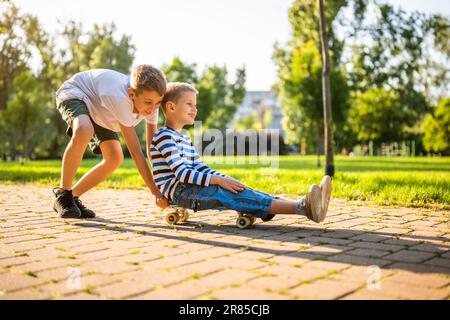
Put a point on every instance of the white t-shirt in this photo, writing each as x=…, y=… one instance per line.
x=105, y=94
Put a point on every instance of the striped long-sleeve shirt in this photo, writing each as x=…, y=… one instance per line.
x=175, y=160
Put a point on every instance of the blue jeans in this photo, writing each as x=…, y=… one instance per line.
x=198, y=198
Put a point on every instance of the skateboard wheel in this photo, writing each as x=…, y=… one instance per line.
x=243, y=222
x=172, y=218
x=251, y=217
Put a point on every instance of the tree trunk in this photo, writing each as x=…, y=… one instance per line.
x=328, y=120
x=318, y=153
x=25, y=135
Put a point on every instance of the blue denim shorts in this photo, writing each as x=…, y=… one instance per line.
x=197, y=198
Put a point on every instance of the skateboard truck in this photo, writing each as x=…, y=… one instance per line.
x=180, y=215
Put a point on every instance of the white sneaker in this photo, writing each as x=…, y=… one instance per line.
x=313, y=204
x=325, y=187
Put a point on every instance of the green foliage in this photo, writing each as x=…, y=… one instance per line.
x=376, y=115
x=179, y=71
x=300, y=90
x=218, y=99
x=406, y=52
x=391, y=66
x=436, y=128
x=26, y=97
x=407, y=55
x=29, y=102
x=403, y=54
x=15, y=38
x=100, y=49
x=304, y=20
x=22, y=122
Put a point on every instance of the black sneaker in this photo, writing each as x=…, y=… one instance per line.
x=268, y=218
x=85, y=212
x=64, y=203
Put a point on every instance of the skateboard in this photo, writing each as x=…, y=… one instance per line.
x=180, y=215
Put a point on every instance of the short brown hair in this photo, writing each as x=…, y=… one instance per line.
x=174, y=91
x=147, y=77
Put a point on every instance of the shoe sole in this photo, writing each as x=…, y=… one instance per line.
x=87, y=217
x=326, y=188
x=315, y=198
x=67, y=216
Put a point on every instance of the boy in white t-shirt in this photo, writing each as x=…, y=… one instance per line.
x=97, y=104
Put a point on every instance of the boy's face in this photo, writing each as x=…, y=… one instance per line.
x=146, y=102
x=185, y=110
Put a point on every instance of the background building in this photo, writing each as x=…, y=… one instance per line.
x=261, y=107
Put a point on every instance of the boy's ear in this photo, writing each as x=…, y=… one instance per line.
x=131, y=92
x=170, y=106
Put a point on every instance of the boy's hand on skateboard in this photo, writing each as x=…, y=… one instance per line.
x=228, y=184
x=161, y=201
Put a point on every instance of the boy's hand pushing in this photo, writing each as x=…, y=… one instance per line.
x=161, y=201
x=228, y=184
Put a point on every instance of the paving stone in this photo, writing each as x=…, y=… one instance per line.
x=226, y=278
x=356, y=260
x=359, y=274
x=431, y=247
x=402, y=291
x=26, y=294
x=275, y=283
x=409, y=256
x=368, y=253
x=113, y=266
x=15, y=281
x=377, y=246
x=248, y=293
x=82, y=296
x=300, y=274
x=366, y=294
x=419, y=268
x=324, y=289
x=154, y=278
x=440, y=262
x=421, y=280
x=128, y=252
x=181, y=291
x=122, y=290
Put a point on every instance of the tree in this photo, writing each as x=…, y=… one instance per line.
x=380, y=47
x=23, y=120
x=405, y=52
x=178, y=71
x=299, y=88
x=376, y=115
x=328, y=119
x=299, y=77
x=23, y=42
x=436, y=128
x=218, y=99
x=101, y=49
x=304, y=20
x=17, y=37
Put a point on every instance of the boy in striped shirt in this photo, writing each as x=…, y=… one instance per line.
x=185, y=180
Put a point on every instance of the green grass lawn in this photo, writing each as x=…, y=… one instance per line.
x=416, y=182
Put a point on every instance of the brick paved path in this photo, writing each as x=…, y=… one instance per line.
x=129, y=252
